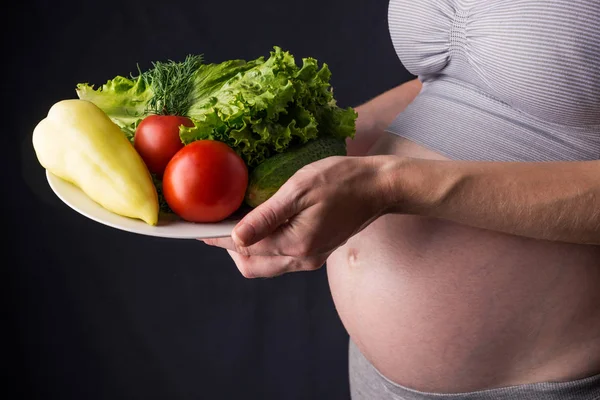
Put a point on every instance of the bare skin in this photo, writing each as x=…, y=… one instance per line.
x=442, y=307
x=449, y=276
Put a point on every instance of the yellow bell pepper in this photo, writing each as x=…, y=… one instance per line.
x=79, y=143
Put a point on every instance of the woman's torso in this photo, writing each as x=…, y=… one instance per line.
x=442, y=307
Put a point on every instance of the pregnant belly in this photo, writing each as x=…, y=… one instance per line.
x=442, y=307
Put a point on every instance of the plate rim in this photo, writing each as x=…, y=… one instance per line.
x=152, y=231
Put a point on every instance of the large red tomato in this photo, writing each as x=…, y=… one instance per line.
x=157, y=140
x=205, y=181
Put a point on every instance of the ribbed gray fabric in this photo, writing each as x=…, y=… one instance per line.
x=366, y=383
x=504, y=80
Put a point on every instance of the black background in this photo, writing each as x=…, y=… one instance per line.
x=95, y=313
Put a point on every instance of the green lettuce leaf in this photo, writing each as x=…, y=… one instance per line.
x=268, y=107
x=124, y=100
x=259, y=107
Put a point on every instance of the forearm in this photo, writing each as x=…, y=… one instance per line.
x=375, y=115
x=551, y=201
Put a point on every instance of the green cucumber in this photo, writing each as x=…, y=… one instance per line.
x=267, y=177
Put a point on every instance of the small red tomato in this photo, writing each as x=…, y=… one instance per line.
x=205, y=181
x=157, y=140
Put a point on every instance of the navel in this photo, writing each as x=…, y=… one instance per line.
x=352, y=257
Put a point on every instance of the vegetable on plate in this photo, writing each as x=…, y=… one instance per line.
x=259, y=108
x=271, y=174
x=198, y=139
x=80, y=144
x=205, y=182
x=157, y=140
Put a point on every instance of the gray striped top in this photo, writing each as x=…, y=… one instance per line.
x=503, y=80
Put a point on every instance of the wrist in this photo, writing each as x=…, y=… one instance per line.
x=413, y=186
x=385, y=182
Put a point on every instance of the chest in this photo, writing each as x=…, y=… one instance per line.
x=541, y=57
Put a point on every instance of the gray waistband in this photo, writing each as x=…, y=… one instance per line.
x=366, y=383
x=457, y=120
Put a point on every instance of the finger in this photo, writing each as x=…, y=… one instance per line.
x=283, y=242
x=225, y=243
x=273, y=266
x=289, y=239
x=263, y=248
x=267, y=217
x=261, y=266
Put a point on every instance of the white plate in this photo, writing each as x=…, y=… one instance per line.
x=167, y=227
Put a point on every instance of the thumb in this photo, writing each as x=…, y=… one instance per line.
x=264, y=219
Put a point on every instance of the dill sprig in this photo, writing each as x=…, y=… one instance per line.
x=172, y=84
